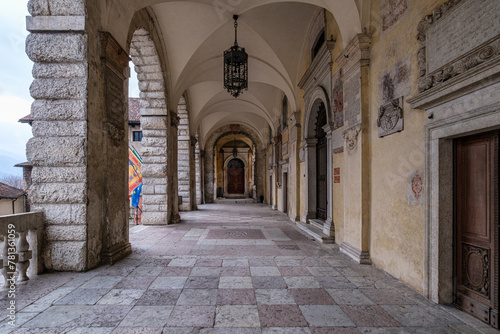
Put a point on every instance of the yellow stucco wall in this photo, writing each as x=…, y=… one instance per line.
x=338, y=198
x=397, y=229
x=6, y=206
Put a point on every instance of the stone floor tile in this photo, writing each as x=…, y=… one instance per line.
x=208, y=263
x=386, y=296
x=334, y=330
x=236, y=330
x=236, y=297
x=385, y=330
x=297, y=282
x=287, y=262
x=117, y=271
x=89, y=330
x=338, y=282
x=235, y=271
x=176, y=271
x=137, y=330
x=235, y=263
x=349, y=297
x=198, y=297
x=152, y=262
x=269, y=282
x=369, y=316
x=325, y=316
x=286, y=330
x=182, y=262
x=135, y=282
x=192, y=316
x=159, y=297
x=168, y=283
x=281, y=316
x=102, y=282
x=235, y=283
x=274, y=297
x=323, y=271
x=45, y=302
x=264, y=271
x=57, y=316
x=121, y=297
x=413, y=316
x=103, y=316
x=205, y=271
x=21, y=318
x=142, y=271
x=262, y=262
x=311, y=297
x=147, y=316
x=129, y=262
x=202, y=282
x=82, y=297
x=237, y=316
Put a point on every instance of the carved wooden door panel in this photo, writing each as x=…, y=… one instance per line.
x=321, y=177
x=476, y=222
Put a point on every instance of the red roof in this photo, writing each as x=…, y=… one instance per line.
x=9, y=192
x=134, y=112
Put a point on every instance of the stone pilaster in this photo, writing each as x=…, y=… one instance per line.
x=58, y=149
x=184, y=157
x=197, y=163
x=173, y=184
x=354, y=62
x=310, y=199
x=329, y=227
x=294, y=176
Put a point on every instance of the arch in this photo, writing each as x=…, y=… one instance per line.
x=319, y=94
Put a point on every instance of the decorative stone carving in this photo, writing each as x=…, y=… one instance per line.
x=390, y=118
x=474, y=258
x=351, y=137
x=455, y=51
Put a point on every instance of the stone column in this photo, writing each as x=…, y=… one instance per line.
x=310, y=198
x=329, y=227
x=184, y=147
x=294, y=176
x=197, y=163
x=172, y=176
x=354, y=62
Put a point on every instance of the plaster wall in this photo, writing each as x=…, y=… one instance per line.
x=396, y=228
x=338, y=198
x=6, y=206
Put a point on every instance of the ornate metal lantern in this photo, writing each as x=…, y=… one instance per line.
x=235, y=66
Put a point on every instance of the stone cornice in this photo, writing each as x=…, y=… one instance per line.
x=319, y=68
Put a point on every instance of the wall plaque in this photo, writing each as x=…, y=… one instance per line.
x=390, y=118
x=415, y=188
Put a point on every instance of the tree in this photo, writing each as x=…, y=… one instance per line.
x=13, y=181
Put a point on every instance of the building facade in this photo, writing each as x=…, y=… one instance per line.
x=371, y=124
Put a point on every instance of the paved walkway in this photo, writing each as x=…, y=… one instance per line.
x=229, y=268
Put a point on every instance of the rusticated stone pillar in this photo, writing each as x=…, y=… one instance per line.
x=184, y=157
x=79, y=133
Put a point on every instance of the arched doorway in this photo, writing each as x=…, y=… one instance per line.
x=321, y=164
x=235, y=177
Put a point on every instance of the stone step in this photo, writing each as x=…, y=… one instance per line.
x=315, y=232
x=318, y=223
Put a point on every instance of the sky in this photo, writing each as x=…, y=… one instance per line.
x=16, y=78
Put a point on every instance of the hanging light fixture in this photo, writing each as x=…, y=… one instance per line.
x=235, y=66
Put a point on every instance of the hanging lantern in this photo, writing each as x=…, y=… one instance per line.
x=235, y=152
x=235, y=66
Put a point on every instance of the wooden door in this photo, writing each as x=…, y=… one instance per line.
x=476, y=222
x=321, y=177
x=236, y=177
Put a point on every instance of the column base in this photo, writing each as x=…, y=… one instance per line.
x=116, y=253
x=308, y=215
x=294, y=218
x=176, y=218
x=329, y=228
x=361, y=257
x=273, y=207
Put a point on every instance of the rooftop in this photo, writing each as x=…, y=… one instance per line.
x=9, y=192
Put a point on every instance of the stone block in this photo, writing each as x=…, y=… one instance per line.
x=154, y=199
x=148, y=189
x=155, y=208
x=59, y=89
x=55, y=23
x=59, y=129
x=154, y=218
x=154, y=122
x=62, y=214
x=59, y=70
x=63, y=47
x=154, y=160
x=146, y=60
x=183, y=175
x=154, y=142
x=154, y=151
x=160, y=189
x=154, y=133
x=154, y=181
x=152, y=95
x=148, y=69
x=59, y=174
x=145, y=76
x=70, y=193
x=66, y=233
x=65, y=255
x=64, y=110
x=153, y=103
x=154, y=170
x=153, y=111
x=60, y=152
x=56, y=7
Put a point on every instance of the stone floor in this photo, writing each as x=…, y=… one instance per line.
x=229, y=268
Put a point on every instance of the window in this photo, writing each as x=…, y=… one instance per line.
x=284, y=112
x=318, y=44
x=137, y=135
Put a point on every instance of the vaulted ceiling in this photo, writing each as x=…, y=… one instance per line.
x=274, y=33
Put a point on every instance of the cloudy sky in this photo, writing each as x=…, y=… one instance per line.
x=16, y=78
